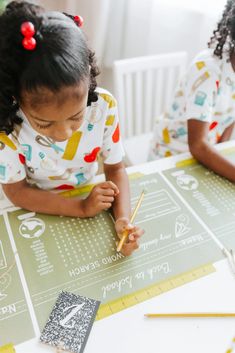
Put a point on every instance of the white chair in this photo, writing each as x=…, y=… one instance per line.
x=143, y=87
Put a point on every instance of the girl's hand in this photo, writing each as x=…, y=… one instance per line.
x=135, y=233
x=100, y=198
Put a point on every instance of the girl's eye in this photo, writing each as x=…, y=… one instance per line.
x=76, y=119
x=49, y=124
x=42, y=126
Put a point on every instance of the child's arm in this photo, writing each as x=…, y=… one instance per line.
x=117, y=174
x=22, y=195
x=121, y=206
x=227, y=133
x=206, y=153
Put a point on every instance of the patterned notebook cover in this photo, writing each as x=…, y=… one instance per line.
x=70, y=322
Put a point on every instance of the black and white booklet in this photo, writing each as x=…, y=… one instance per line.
x=70, y=322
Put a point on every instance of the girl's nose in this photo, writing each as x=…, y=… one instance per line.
x=62, y=133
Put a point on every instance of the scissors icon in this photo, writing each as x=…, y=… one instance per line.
x=48, y=142
x=230, y=82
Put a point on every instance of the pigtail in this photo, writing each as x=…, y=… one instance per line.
x=224, y=35
x=12, y=59
x=61, y=58
x=94, y=70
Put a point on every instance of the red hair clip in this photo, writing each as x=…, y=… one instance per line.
x=27, y=30
x=78, y=20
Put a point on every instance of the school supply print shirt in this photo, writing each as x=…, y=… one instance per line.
x=48, y=164
x=206, y=93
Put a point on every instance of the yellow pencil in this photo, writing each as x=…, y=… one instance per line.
x=125, y=233
x=178, y=315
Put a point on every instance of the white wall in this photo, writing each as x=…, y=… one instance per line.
x=126, y=28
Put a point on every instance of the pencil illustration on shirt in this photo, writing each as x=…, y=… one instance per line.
x=5, y=140
x=109, y=99
x=110, y=120
x=200, y=80
x=93, y=116
x=72, y=146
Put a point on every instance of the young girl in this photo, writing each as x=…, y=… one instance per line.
x=54, y=121
x=203, y=110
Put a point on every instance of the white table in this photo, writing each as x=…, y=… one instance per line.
x=128, y=331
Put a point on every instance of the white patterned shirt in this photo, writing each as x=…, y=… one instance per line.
x=206, y=93
x=63, y=165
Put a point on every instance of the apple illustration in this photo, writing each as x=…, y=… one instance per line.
x=116, y=134
x=21, y=158
x=91, y=157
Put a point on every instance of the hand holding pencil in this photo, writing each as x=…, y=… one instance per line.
x=128, y=233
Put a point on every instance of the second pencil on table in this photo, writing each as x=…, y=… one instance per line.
x=179, y=315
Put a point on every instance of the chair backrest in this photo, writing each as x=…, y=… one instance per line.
x=143, y=87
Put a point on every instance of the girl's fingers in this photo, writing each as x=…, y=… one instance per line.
x=109, y=185
x=135, y=229
x=114, y=187
x=107, y=192
x=106, y=198
x=103, y=185
x=132, y=242
x=133, y=237
x=121, y=225
x=136, y=233
x=130, y=227
x=106, y=205
x=128, y=248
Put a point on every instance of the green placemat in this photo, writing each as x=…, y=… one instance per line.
x=80, y=255
x=211, y=196
x=15, y=321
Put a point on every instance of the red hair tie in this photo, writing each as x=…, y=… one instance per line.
x=78, y=20
x=27, y=30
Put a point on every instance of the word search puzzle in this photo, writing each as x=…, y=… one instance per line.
x=57, y=254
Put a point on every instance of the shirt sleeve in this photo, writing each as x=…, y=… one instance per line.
x=112, y=149
x=12, y=161
x=201, y=91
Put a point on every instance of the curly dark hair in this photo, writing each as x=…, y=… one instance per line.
x=223, y=38
x=61, y=58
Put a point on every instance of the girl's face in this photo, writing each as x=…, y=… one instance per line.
x=56, y=115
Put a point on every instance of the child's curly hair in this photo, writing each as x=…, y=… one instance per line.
x=61, y=58
x=223, y=38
